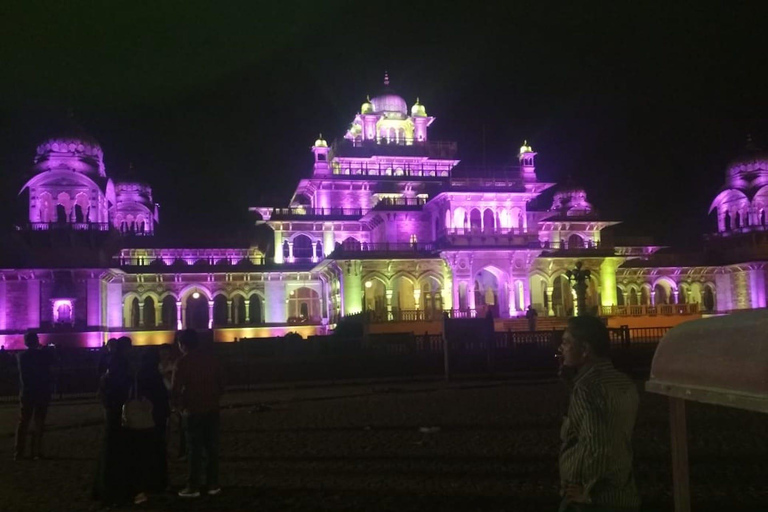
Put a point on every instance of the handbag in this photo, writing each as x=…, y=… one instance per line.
x=137, y=411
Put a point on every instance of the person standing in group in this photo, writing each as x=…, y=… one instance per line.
x=149, y=465
x=596, y=453
x=35, y=386
x=106, y=354
x=167, y=366
x=198, y=383
x=531, y=315
x=113, y=485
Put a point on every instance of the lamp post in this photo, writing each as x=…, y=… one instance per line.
x=579, y=278
x=367, y=286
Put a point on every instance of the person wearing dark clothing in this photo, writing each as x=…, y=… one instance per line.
x=198, y=384
x=596, y=452
x=35, y=383
x=150, y=468
x=112, y=485
x=107, y=352
x=531, y=315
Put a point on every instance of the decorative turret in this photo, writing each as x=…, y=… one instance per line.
x=367, y=107
x=527, y=165
x=571, y=200
x=70, y=147
x=320, y=150
x=418, y=110
x=742, y=203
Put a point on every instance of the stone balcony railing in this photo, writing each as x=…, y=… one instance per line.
x=659, y=310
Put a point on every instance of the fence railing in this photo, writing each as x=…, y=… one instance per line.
x=264, y=360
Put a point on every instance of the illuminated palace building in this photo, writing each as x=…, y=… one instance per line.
x=387, y=220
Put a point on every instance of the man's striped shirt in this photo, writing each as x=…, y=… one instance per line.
x=596, y=436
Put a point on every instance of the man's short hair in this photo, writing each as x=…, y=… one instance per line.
x=30, y=339
x=590, y=330
x=189, y=339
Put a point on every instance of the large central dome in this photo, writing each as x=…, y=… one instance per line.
x=389, y=100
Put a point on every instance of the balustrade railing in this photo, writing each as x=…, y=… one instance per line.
x=74, y=226
x=300, y=211
x=658, y=310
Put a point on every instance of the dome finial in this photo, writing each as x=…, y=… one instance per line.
x=386, y=78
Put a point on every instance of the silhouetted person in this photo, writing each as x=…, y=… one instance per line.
x=198, y=384
x=596, y=452
x=531, y=315
x=112, y=485
x=35, y=383
x=107, y=352
x=149, y=467
x=167, y=366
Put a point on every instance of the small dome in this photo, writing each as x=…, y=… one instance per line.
x=571, y=199
x=418, y=110
x=367, y=108
x=69, y=141
x=320, y=142
x=525, y=148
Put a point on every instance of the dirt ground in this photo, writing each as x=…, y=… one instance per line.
x=359, y=448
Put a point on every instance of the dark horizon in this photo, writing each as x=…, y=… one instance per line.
x=217, y=110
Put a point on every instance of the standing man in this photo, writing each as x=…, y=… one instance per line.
x=198, y=384
x=531, y=315
x=596, y=453
x=34, y=394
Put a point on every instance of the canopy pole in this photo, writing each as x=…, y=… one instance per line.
x=679, y=433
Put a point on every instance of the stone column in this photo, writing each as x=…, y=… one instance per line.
x=626, y=298
x=471, y=297
x=290, y=252
x=247, y=309
x=328, y=242
x=274, y=303
x=3, y=307
x=389, y=293
x=229, y=311
x=210, y=314
x=158, y=314
x=179, y=316
x=676, y=293
x=608, y=282
x=279, y=247
x=314, y=251
x=550, y=306
x=141, y=313
x=33, y=304
x=352, y=289
x=417, y=298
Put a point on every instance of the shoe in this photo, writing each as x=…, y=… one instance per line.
x=140, y=498
x=189, y=493
x=214, y=491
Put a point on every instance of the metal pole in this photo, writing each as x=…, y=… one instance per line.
x=446, y=352
x=679, y=432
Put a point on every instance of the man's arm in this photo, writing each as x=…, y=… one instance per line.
x=590, y=411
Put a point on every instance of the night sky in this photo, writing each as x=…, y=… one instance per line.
x=216, y=105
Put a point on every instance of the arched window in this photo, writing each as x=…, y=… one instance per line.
x=575, y=242
x=475, y=222
x=302, y=247
x=220, y=314
x=489, y=221
x=169, y=312
x=255, y=315
x=304, y=305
